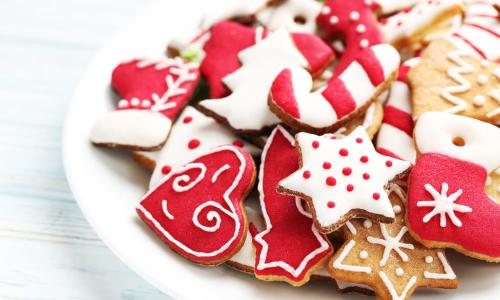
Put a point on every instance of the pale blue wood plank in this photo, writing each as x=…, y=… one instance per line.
x=48, y=250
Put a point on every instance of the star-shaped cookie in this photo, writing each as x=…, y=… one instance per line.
x=343, y=179
x=386, y=257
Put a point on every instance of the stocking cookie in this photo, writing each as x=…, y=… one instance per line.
x=344, y=97
x=451, y=80
x=343, y=179
x=395, y=137
x=386, y=258
x=153, y=93
x=290, y=248
x=197, y=210
x=480, y=32
x=245, y=110
x=192, y=135
x=294, y=15
x=447, y=202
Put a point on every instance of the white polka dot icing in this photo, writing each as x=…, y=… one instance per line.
x=353, y=177
x=479, y=100
x=363, y=254
x=367, y=224
x=429, y=259
x=400, y=272
x=482, y=79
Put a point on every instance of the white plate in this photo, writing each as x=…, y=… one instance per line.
x=107, y=186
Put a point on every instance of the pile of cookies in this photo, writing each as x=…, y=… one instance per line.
x=352, y=141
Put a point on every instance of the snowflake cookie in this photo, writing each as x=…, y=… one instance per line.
x=447, y=202
x=386, y=258
x=343, y=179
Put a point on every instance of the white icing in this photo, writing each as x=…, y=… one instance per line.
x=479, y=100
x=391, y=244
x=406, y=24
x=231, y=10
x=246, y=108
x=487, y=43
x=456, y=73
x=448, y=271
x=429, y=259
x=217, y=173
x=164, y=207
x=367, y=224
x=435, y=132
x=231, y=212
x=482, y=79
x=351, y=227
x=334, y=20
x=392, y=290
x=363, y=254
x=396, y=209
x=284, y=15
x=338, y=263
x=143, y=128
x=362, y=196
x=392, y=6
x=495, y=94
x=187, y=182
x=262, y=262
x=443, y=205
x=400, y=272
x=176, y=153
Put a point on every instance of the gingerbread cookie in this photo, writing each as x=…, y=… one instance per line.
x=387, y=259
x=153, y=93
x=343, y=179
x=447, y=202
x=343, y=98
x=451, y=80
x=192, y=135
x=395, y=137
x=197, y=210
x=245, y=110
x=290, y=248
x=480, y=32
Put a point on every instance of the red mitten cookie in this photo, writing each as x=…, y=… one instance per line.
x=290, y=248
x=343, y=179
x=343, y=98
x=395, y=137
x=198, y=209
x=245, y=110
x=153, y=93
x=447, y=203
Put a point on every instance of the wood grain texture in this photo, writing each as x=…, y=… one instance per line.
x=47, y=249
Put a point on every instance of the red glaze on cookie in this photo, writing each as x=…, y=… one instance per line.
x=228, y=38
x=395, y=137
x=197, y=210
x=447, y=203
x=323, y=110
x=153, y=93
x=354, y=22
x=290, y=246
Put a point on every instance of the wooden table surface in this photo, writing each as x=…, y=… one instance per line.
x=47, y=249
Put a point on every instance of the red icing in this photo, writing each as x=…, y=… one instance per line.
x=471, y=44
x=228, y=38
x=366, y=176
x=131, y=81
x=359, y=140
x=239, y=143
x=339, y=97
x=364, y=159
x=346, y=171
x=315, y=144
x=376, y=196
x=330, y=204
x=187, y=120
x=193, y=144
x=182, y=205
x=343, y=152
x=350, y=187
x=480, y=232
x=331, y=181
x=345, y=28
x=290, y=235
x=166, y=169
x=372, y=67
x=283, y=95
x=327, y=165
x=388, y=163
x=306, y=174
x=398, y=119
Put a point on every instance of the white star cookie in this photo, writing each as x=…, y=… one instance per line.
x=343, y=179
